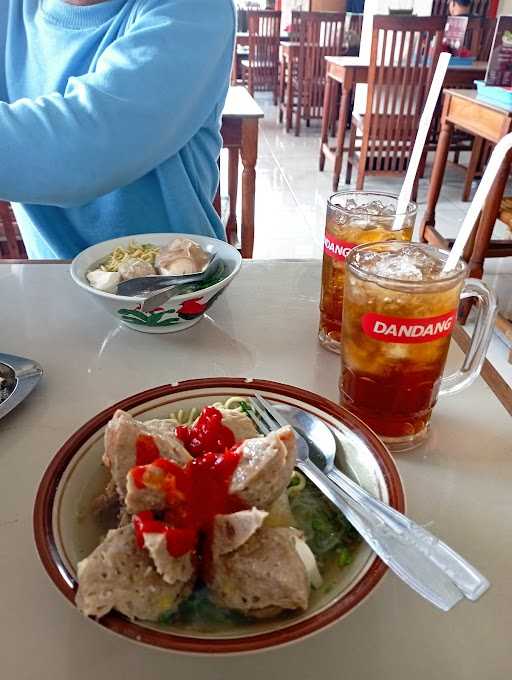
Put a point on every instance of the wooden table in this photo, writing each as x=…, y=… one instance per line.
x=462, y=109
x=240, y=122
x=459, y=484
x=349, y=71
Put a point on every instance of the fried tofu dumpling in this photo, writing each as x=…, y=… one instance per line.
x=120, y=575
x=262, y=577
x=121, y=436
x=265, y=468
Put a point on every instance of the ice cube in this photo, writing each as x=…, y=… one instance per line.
x=375, y=208
x=402, y=268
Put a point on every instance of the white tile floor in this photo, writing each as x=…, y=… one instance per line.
x=290, y=208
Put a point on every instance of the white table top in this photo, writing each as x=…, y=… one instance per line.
x=264, y=326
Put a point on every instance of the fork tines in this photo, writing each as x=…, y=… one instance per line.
x=268, y=416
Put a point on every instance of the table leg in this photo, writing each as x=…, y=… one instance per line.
x=476, y=152
x=282, y=81
x=249, y=155
x=231, y=224
x=217, y=202
x=346, y=93
x=326, y=116
x=289, y=96
x=488, y=218
x=483, y=231
x=438, y=169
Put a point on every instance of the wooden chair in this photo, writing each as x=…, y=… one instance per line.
x=403, y=58
x=479, y=36
x=11, y=243
x=321, y=34
x=261, y=70
x=479, y=8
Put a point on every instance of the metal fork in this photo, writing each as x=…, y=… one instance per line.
x=426, y=564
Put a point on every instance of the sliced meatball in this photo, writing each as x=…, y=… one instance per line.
x=239, y=423
x=263, y=577
x=120, y=575
x=171, y=569
x=232, y=531
x=138, y=499
x=265, y=469
x=120, y=445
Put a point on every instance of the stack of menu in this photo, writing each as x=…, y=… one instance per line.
x=498, y=80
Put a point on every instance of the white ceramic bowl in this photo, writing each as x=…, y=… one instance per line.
x=176, y=314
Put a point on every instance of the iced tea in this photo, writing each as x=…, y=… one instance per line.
x=399, y=312
x=353, y=218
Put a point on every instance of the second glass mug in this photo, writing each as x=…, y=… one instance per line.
x=353, y=218
x=397, y=325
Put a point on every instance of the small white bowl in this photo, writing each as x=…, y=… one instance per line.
x=176, y=314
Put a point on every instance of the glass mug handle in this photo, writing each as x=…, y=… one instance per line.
x=475, y=356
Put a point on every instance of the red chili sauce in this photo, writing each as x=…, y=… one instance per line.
x=194, y=494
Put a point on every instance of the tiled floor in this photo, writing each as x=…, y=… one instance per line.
x=290, y=207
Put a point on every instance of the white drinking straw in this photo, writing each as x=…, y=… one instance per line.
x=492, y=169
x=423, y=129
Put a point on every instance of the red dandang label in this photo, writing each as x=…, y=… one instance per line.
x=336, y=248
x=403, y=330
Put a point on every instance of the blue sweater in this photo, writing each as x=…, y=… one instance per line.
x=110, y=118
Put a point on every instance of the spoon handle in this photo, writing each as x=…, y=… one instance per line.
x=470, y=581
x=402, y=557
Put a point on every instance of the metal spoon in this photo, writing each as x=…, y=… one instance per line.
x=18, y=377
x=320, y=440
x=143, y=286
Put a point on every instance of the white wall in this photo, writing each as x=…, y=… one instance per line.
x=505, y=7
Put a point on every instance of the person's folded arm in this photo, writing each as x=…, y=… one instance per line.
x=151, y=91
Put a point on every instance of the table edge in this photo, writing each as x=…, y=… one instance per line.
x=490, y=375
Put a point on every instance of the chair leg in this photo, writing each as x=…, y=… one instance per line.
x=474, y=160
x=361, y=168
x=350, y=155
x=282, y=86
x=298, y=112
x=251, y=81
x=289, y=99
x=334, y=109
x=414, y=194
x=276, y=88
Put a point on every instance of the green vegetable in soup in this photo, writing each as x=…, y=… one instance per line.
x=198, y=610
x=327, y=532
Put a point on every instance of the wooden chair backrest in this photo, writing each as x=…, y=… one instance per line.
x=11, y=245
x=264, y=35
x=479, y=36
x=479, y=8
x=321, y=34
x=404, y=54
x=295, y=25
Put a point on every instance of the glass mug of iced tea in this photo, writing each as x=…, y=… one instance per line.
x=398, y=315
x=353, y=217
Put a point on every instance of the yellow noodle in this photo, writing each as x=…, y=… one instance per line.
x=145, y=251
x=187, y=417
